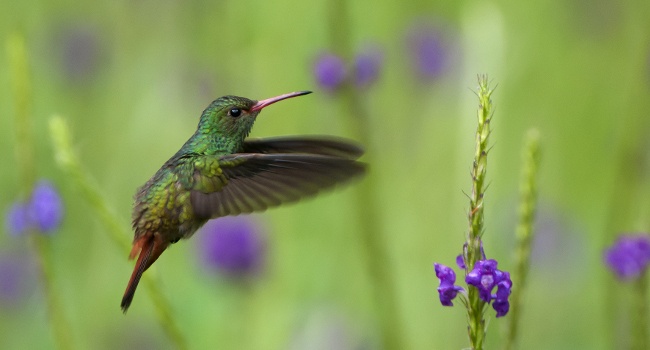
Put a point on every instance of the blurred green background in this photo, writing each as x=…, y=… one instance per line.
x=132, y=78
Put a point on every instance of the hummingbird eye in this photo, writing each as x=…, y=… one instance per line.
x=234, y=112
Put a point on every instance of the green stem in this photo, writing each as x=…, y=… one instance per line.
x=377, y=257
x=474, y=251
x=163, y=311
x=20, y=83
x=368, y=209
x=24, y=147
x=339, y=27
x=525, y=234
x=378, y=265
x=376, y=254
x=640, y=325
x=58, y=322
x=116, y=231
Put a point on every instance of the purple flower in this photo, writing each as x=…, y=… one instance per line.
x=501, y=304
x=232, y=245
x=485, y=276
x=367, y=66
x=428, y=50
x=15, y=279
x=45, y=207
x=460, y=261
x=629, y=256
x=555, y=234
x=43, y=211
x=447, y=290
x=330, y=71
x=80, y=52
x=17, y=219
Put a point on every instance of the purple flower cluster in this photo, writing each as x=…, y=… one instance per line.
x=485, y=277
x=429, y=46
x=233, y=246
x=629, y=256
x=331, y=71
x=43, y=211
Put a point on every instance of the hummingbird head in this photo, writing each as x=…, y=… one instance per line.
x=232, y=117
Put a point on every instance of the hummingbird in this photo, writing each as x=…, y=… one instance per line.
x=220, y=172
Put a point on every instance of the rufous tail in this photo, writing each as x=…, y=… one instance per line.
x=150, y=246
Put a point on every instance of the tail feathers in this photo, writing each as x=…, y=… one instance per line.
x=150, y=246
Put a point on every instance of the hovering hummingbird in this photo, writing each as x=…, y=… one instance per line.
x=218, y=172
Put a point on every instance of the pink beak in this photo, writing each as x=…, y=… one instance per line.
x=261, y=104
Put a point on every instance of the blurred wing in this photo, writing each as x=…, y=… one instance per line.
x=320, y=145
x=255, y=182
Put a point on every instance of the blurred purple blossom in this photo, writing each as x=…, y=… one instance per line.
x=367, y=66
x=45, y=207
x=447, y=290
x=556, y=233
x=43, y=211
x=330, y=71
x=80, y=51
x=428, y=50
x=17, y=219
x=232, y=245
x=629, y=256
x=15, y=279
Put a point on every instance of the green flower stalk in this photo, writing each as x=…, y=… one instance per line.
x=67, y=160
x=640, y=311
x=479, y=167
x=524, y=233
x=20, y=83
x=24, y=147
x=474, y=249
x=487, y=284
x=356, y=119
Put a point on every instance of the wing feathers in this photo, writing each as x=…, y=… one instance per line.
x=259, y=181
x=321, y=145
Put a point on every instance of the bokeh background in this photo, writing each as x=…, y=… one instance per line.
x=132, y=77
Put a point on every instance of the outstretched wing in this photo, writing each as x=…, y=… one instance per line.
x=248, y=182
x=320, y=145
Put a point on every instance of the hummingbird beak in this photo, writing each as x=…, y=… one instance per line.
x=261, y=104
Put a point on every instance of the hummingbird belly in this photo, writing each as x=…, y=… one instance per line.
x=164, y=210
